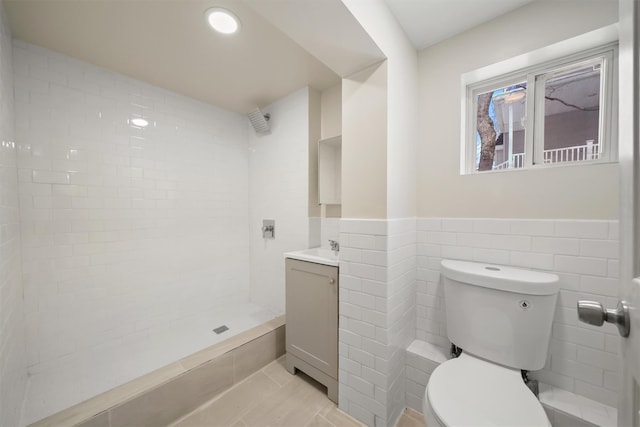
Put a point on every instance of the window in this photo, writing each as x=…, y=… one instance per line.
x=555, y=113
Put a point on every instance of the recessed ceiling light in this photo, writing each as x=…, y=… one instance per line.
x=140, y=122
x=222, y=20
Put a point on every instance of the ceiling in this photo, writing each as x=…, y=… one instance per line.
x=427, y=22
x=167, y=42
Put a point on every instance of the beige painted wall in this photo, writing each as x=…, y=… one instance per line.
x=315, y=121
x=364, y=143
x=331, y=111
x=583, y=191
x=402, y=104
x=331, y=125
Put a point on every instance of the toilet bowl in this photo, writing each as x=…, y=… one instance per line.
x=469, y=391
x=501, y=318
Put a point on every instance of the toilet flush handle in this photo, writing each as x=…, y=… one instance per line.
x=593, y=313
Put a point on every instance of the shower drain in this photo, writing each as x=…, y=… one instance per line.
x=221, y=329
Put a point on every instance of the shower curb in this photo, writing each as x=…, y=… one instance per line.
x=163, y=396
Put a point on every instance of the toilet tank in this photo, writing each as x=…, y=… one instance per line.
x=498, y=313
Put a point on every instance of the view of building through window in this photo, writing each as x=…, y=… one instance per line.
x=565, y=123
x=571, y=115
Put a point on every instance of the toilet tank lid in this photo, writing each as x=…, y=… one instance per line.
x=500, y=277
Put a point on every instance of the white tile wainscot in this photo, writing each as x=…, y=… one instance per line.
x=564, y=409
x=377, y=312
x=583, y=359
x=13, y=371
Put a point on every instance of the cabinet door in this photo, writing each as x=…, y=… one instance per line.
x=312, y=314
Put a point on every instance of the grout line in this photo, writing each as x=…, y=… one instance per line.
x=263, y=370
x=317, y=414
x=325, y=418
x=219, y=396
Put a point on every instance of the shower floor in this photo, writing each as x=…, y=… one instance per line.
x=71, y=379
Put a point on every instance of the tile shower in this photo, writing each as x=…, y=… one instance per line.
x=12, y=370
x=136, y=242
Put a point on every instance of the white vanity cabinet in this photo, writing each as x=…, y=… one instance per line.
x=312, y=321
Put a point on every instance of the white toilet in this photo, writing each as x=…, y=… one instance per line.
x=501, y=318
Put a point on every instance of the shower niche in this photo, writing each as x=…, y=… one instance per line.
x=330, y=171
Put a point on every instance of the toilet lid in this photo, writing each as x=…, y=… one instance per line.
x=468, y=391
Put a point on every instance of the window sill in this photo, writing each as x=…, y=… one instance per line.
x=543, y=167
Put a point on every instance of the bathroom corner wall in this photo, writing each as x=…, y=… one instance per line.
x=379, y=145
x=401, y=307
x=128, y=233
x=13, y=373
x=584, y=253
x=364, y=143
x=278, y=190
x=377, y=312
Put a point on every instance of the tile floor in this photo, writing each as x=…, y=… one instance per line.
x=273, y=397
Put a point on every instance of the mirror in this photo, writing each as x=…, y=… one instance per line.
x=330, y=171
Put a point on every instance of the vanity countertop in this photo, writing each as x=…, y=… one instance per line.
x=316, y=255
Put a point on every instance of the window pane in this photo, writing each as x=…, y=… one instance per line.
x=500, y=123
x=572, y=114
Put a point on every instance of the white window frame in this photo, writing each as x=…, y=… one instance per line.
x=533, y=75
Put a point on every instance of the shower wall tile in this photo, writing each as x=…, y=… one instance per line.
x=377, y=312
x=330, y=230
x=13, y=374
x=279, y=190
x=128, y=232
x=582, y=358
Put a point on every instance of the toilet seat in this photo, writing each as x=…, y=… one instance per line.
x=468, y=391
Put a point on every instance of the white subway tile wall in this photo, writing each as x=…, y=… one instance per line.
x=362, y=287
x=377, y=312
x=582, y=358
x=13, y=374
x=315, y=231
x=330, y=230
x=422, y=359
x=401, y=307
x=278, y=190
x=126, y=230
x=563, y=408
